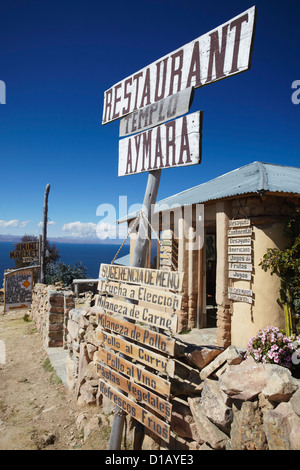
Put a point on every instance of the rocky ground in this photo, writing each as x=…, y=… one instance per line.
x=36, y=410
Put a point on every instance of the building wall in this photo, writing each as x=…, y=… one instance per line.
x=237, y=322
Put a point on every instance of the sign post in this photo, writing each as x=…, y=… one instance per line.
x=148, y=104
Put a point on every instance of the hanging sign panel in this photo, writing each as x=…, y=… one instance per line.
x=157, y=298
x=17, y=289
x=157, y=113
x=223, y=52
x=175, y=143
x=147, y=277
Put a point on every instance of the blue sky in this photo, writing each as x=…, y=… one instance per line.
x=58, y=57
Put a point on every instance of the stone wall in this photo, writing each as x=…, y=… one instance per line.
x=221, y=400
x=50, y=307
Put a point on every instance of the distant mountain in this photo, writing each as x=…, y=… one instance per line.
x=10, y=238
x=17, y=239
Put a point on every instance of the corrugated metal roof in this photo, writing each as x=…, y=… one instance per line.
x=256, y=177
x=123, y=260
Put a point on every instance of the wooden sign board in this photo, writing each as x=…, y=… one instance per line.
x=218, y=54
x=135, y=332
x=140, y=313
x=140, y=353
x=239, y=223
x=138, y=393
x=245, y=250
x=173, y=144
x=239, y=258
x=240, y=298
x=240, y=275
x=135, y=372
x=239, y=232
x=239, y=241
x=169, y=108
x=235, y=290
x=25, y=250
x=150, y=421
x=240, y=266
x=171, y=280
x=17, y=289
x=157, y=298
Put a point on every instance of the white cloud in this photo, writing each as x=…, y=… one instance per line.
x=102, y=230
x=13, y=223
x=81, y=229
x=50, y=222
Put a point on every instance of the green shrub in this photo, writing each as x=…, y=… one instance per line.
x=61, y=272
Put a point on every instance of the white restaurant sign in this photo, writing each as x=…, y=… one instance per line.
x=220, y=53
x=175, y=143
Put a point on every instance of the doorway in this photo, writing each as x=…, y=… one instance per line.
x=210, y=278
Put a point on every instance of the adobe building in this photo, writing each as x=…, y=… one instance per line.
x=231, y=220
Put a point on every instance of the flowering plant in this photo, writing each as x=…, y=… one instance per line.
x=270, y=345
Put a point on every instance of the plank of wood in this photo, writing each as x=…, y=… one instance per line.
x=240, y=275
x=149, y=420
x=223, y=52
x=239, y=223
x=239, y=258
x=170, y=107
x=235, y=290
x=240, y=250
x=143, y=276
x=239, y=241
x=154, y=297
x=140, y=394
x=240, y=232
x=137, y=373
x=240, y=298
x=140, y=313
x=240, y=266
x=139, y=353
x=173, y=144
x=135, y=332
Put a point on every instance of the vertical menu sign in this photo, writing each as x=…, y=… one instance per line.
x=240, y=258
x=17, y=289
x=135, y=356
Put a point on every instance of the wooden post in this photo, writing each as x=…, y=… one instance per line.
x=44, y=239
x=139, y=261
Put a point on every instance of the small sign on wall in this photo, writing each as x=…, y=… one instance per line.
x=240, y=265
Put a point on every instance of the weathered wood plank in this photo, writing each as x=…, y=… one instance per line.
x=240, y=232
x=240, y=275
x=140, y=353
x=154, y=297
x=140, y=394
x=240, y=266
x=152, y=115
x=235, y=290
x=239, y=258
x=135, y=332
x=137, y=373
x=143, y=276
x=240, y=223
x=239, y=250
x=173, y=144
x=140, y=313
x=218, y=54
x=239, y=241
x=142, y=415
x=240, y=298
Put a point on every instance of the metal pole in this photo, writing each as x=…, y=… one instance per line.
x=44, y=239
x=139, y=261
